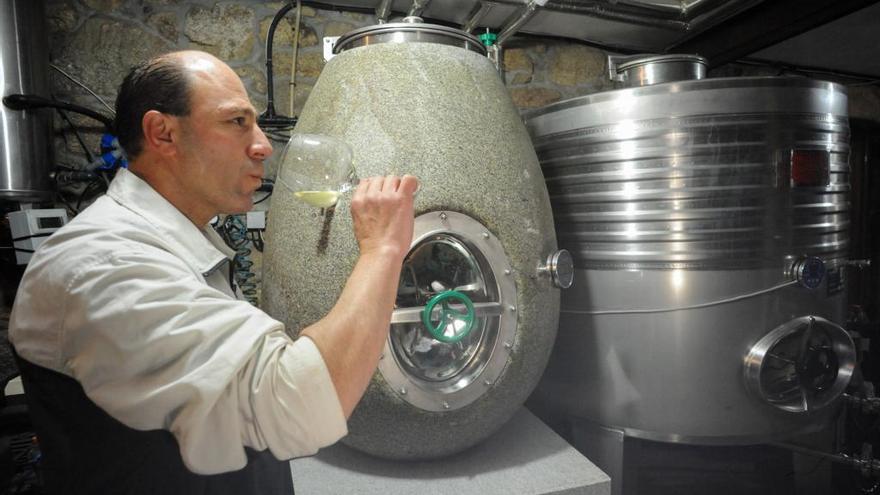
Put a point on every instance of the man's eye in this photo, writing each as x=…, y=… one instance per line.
x=239, y=121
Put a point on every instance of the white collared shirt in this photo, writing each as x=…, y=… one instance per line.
x=132, y=300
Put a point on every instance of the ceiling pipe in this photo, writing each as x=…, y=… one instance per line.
x=418, y=6
x=602, y=10
x=383, y=11
x=517, y=20
x=477, y=16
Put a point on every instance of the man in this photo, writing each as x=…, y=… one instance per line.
x=144, y=373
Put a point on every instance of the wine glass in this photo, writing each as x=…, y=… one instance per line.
x=317, y=168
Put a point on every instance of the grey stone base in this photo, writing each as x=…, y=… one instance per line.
x=524, y=457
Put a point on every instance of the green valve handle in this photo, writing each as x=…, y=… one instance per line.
x=448, y=315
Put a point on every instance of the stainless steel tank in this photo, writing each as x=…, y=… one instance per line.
x=708, y=224
x=25, y=157
x=423, y=99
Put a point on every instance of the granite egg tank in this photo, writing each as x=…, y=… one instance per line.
x=424, y=100
x=707, y=219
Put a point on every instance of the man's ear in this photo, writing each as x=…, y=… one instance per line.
x=161, y=133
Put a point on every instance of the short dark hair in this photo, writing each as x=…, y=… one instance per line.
x=161, y=84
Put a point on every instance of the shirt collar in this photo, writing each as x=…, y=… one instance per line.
x=202, y=248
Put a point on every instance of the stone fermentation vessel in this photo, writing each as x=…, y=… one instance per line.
x=424, y=100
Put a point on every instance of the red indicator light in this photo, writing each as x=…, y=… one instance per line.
x=810, y=168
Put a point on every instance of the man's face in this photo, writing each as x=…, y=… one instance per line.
x=222, y=149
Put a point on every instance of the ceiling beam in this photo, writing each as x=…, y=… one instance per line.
x=764, y=25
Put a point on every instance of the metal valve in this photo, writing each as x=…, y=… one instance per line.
x=560, y=269
x=809, y=271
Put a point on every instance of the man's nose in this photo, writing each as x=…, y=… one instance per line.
x=261, y=148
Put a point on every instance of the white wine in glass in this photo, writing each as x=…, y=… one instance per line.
x=317, y=168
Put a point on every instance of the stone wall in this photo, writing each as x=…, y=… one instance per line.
x=96, y=41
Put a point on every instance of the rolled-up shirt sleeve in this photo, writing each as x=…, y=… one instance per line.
x=156, y=347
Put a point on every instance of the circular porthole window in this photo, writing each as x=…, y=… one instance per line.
x=802, y=365
x=451, y=254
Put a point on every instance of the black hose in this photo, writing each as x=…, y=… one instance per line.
x=339, y=8
x=27, y=102
x=269, y=118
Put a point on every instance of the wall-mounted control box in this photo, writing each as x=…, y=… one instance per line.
x=31, y=227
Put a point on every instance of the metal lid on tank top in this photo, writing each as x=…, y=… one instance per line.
x=410, y=30
x=647, y=70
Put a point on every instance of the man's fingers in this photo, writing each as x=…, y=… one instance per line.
x=392, y=182
x=362, y=187
x=409, y=184
x=376, y=184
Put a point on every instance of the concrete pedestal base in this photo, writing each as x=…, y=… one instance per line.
x=524, y=457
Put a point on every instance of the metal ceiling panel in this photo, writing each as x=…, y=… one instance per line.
x=848, y=44
x=637, y=25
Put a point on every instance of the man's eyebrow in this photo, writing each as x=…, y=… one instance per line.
x=236, y=109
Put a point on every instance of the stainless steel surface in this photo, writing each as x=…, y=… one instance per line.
x=676, y=376
x=631, y=25
x=802, y=365
x=414, y=314
x=451, y=251
x=25, y=135
x=678, y=205
x=687, y=174
x=647, y=70
x=560, y=268
x=411, y=31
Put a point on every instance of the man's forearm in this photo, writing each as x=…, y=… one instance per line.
x=352, y=335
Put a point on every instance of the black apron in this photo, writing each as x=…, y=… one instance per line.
x=86, y=451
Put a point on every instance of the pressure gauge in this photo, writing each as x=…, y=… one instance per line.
x=809, y=271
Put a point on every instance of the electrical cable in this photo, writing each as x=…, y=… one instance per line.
x=234, y=232
x=83, y=86
x=269, y=118
x=267, y=186
x=275, y=136
x=256, y=238
x=17, y=249
x=26, y=102
x=85, y=190
x=296, y=28
x=682, y=308
x=338, y=8
x=264, y=198
x=89, y=157
x=70, y=209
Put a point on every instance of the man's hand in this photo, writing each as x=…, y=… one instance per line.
x=351, y=337
x=382, y=211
